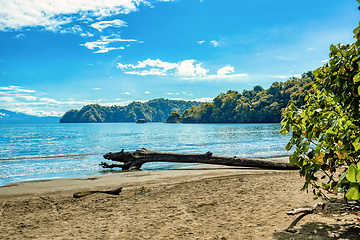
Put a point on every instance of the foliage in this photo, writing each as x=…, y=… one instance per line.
x=152, y=111
x=326, y=130
x=251, y=106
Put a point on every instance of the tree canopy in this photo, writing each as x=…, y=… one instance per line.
x=155, y=110
x=258, y=105
x=326, y=129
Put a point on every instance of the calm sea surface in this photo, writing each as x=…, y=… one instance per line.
x=36, y=152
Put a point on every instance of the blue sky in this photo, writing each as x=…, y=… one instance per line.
x=57, y=55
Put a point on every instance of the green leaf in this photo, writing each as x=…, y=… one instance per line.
x=293, y=160
x=288, y=146
x=353, y=193
x=295, y=127
x=285, y=129
x=292, y=107
x=356, y=144
x=351, y=174
x=356, y=78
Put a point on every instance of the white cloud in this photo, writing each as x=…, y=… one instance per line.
x=309, y=49
x=279, y=76
x=201, y=42
x=172, y=93
x=29, y=98
x=19, y=99
x=225, y=70
x=324, y=61
x=147, y=92
x=105, y=24
x=16, y=89
x=86, y=34
x=186, y=69
x=296, y=75
x=96, y=88
x=203, y=99
x=151, y=67
x=286, y=76
x=20, y=36
x=214, y=43
x=226, y=77
x=3, y=115
x=52, y=14
x=74, y=29
x=126, y=93
x=101, y=45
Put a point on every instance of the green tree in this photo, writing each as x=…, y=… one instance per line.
x=326, y=130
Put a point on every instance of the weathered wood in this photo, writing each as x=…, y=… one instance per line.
x=305, y=211
x=115, y=191
x=135, y=159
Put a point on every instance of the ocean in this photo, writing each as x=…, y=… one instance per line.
x=48, y=151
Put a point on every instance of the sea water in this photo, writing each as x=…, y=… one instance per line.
x=48, y=151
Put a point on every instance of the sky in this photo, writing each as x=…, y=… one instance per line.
x=57, y=55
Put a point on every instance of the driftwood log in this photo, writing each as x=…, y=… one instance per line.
x=115, y=191
x=135, y=159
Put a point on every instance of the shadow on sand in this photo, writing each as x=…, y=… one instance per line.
x=319, y=230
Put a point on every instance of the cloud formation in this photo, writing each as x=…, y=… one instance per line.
x=148, y=67
x=105, y=24
x=52, y=14
x=19, y=99
x=225, y=70
x=187, y=69
x=214, y=43
x=102, y=45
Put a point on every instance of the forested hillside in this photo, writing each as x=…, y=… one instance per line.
x=156, y=110
x=251, y=106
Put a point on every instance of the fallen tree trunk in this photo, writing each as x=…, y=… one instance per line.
x=135, y=159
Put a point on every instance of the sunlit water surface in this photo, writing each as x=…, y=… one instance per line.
x=37, y=152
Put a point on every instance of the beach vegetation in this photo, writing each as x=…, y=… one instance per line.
x=326, y=129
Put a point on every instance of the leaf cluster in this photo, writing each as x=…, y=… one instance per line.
x=326, y=129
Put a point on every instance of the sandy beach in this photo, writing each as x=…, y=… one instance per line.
x=203, y=202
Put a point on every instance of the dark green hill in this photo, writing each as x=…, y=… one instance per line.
x=251, y=106
x=156, y=110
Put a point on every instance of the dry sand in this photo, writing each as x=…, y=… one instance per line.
x=205, y=202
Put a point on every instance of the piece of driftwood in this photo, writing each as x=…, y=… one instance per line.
x=135, y=159
x=115, y=191
x=304, y=211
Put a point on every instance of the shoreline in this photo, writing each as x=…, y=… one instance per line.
x=282, y=158
x=202, y=202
